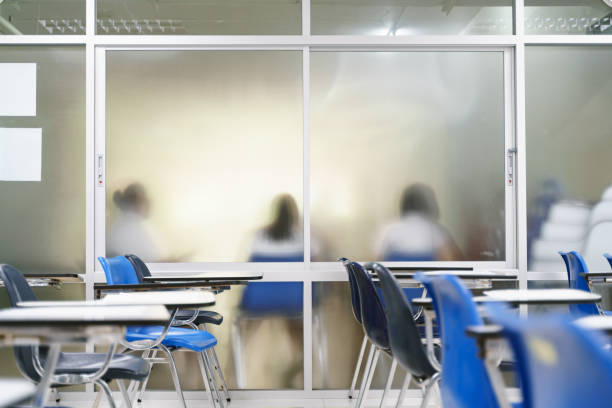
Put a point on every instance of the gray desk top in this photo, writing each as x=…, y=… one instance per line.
x=88, y=314
x=462, y=274
x=170, y=299
x=205, y=276
x=14, y=391
x=542, y=296
x=528, y=297
x=603, y=323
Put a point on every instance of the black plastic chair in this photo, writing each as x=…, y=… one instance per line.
x=356, y=306
x=74, y=368
x=404, y=336
x=374, y=324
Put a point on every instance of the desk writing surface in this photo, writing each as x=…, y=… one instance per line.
x=83, y=315
x=462, y=274
x=205, y=276
x=14, y=391
x=183, y=298
x=599, y=274
x=603, y=323
x=543, y=296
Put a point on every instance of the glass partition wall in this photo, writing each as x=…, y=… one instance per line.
x=197, y=127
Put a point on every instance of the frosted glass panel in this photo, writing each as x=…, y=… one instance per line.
x=558, y=17
x=407, y=152
x=42, y=17
x=204, y=155
x=213, y=17
x=569, y=195
x=43, y=222
x=408, y=17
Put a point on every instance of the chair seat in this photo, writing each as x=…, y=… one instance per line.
x=607, y=312
x=204, y=317
x=122, y=366
x=196, y=340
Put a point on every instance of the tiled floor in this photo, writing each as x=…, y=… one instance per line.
x=250, y=403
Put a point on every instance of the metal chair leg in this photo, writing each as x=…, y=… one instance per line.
x=366, y=370
x=175, y=379
x=126, y=398
x=206, y=380
x=109, y=395
x=405, y=385
x=143, y=385
x=427, y=389
x=217, y=368
x=389, y=382
x=213, y=380
x=238, y=354
x=358, y=366
x=370, y=374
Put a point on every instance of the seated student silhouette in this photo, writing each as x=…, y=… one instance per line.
x=418, y=235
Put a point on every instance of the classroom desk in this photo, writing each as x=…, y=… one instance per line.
x=170, y=299
x=58, y=325
x=601, y=323
x=480, y=274
x=15, y=391
x=215, y=286
x=210, y=276
x=54, y=280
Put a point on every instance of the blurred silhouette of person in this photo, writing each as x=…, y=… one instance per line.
x=550, y=192
x=283, y=239
x=418, y=235
x=129, y=232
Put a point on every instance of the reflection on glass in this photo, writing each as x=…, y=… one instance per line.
x=336, y=340
x=382, y=121
x=43, y=223
x=406, y=17
x=283, y=239
x=203, y=135
x=228, y=17
x=567, y=17
x=417, y=235
x=568, y=193
x=42, y=17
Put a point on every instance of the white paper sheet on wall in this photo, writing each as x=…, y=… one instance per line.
x=18, y=89
x=20, y=154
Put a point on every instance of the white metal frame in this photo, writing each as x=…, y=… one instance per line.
x=513, y=47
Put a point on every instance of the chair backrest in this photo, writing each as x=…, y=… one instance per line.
x=601, y=212
x=19, y=291
x=607, y=194
x=372, y=313
x=118, y=271
x=274, y=298
x=355, y=301
x=467, y=383
x=404, y=337
x=560, y=365
x=597, y=242
x=139, y=266
x=609, y=258
x=569, y=213
x=575, y=266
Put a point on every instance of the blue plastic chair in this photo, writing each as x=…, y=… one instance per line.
x=119, y=271
x=465, y=382
x=266, y=299
x=560, y=364
x=404, y=335
x=575, y=265
x=609, y=258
